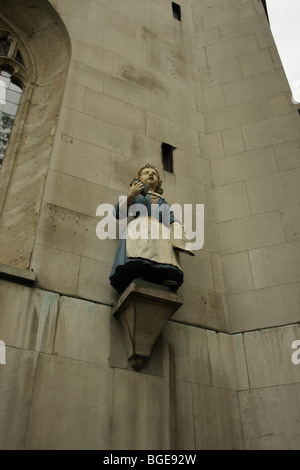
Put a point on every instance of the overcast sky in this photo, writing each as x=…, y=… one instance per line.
x=284, y=16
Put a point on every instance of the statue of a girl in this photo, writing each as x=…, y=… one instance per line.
x=151, y=254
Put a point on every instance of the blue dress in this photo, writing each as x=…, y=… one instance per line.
x=125, y=269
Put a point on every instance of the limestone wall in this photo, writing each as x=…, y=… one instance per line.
x=199, y=390
x=221, y=375
x=253, y=142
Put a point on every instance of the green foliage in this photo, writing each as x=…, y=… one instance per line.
x=6, y=124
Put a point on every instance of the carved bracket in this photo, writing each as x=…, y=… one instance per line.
x=143, y=310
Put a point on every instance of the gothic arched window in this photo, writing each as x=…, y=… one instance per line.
x=13, y=78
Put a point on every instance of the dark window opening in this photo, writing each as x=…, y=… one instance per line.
x=176, y=11
x=19, y=58
x=167, y=156
x=264, y=3
x=4, y=46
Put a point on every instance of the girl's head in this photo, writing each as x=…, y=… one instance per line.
x=148, y=174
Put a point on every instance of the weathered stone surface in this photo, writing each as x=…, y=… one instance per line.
x=23, y=276
x=270, y=417
x=217, y=419
x=143, y=309
x=213, y=86
x=71, y=406
x=27, y=317
x=81, y=331
x=17, y=383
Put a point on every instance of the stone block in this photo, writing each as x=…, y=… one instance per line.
x=141, y=412
x=93, y=281
x=180, y=70
x=233, y=141
x=227, y=361
x=142, y=145
x=220, y=73
x=114, y=111
x=74, y=96
x=23, y=276
x=85, y=76
x=238, y=115
x=124, y=45
x=217, y=419
x=28, y=317
x=217, y=266
x=70, y=192
x=252, y=88
x=213, y=98
x=95, y=131
x=206, y=7
x=17, y=382
x=82, y=331
x=83, y=29
x=269, y=417
x=144, y=75
x=184, y=115
x=265, y=38
x=243, y=166
x=55, y=270
x=232, y=201
x=237, y=272
x=207, y=37
x=66, y=410
x=74, y=232
x=287, y=155
x=264, y=308
x=181, y=93
x=80, y=8
x=187, y=353
x=104, y=15
x=202, y=308
x=280, y=105
x=273, y=192
x=215, y=145
x=113, y=5
x=231, y=48
x=81, y=160
x=123, y=169
x=291, y=223
x=256, y=62
x=271, y=131
x=191, y=167
x=177, y=135
x=251, y=232
x=128, y=92
x=83, y=53
x=224, y=16
x=197, y=57
x=198, y=271
x=245, y=25
x=275, y=265
x=269, y=356
x=276, y=57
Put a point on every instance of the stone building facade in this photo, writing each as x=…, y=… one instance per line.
x=107, y=82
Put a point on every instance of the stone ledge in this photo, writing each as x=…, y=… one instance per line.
x=142, y=311
x=22, y=276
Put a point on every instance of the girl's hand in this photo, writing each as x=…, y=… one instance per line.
x=135, y=189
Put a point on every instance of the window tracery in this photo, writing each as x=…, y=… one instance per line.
x=13, y=79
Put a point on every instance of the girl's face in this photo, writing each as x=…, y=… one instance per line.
x=150, y=177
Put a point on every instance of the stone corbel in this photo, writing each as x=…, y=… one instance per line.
x=143, y=310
